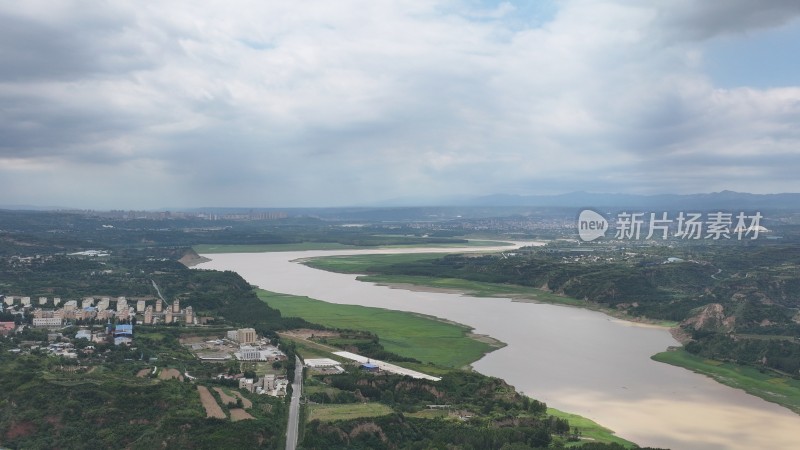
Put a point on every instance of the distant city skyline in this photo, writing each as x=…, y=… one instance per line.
x=126, y=105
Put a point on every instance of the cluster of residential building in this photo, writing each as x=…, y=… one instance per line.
x=53, y=313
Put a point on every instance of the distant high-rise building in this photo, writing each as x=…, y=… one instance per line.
x=148, y=315
x=189, y=315
x=140, y=305
x=246, y=335
x=159, y=305
x=176, y=306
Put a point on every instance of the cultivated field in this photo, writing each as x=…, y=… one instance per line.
x=245, y=401
x=210, y=403
x=329, y=413
x=240, y=414
x=227, y=399
x=168, y=374
x=231, y=399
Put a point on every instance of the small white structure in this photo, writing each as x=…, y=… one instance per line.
x=84, y=334
x=249, y=353
x=325, y=365
x=321, y=363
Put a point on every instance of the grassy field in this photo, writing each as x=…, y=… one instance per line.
x=772, y=388
x=361, y=263
x=308, y=349
x=406, y=334
x=590, y=430
x=331, y=412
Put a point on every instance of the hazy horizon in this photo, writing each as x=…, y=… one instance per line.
x=126, y=105
x=498, y=200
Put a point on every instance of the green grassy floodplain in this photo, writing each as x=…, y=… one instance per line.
x=591, y=431
x=773, y=388
x=413, y=335
x=301, y=246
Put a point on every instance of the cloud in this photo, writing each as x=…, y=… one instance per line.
x=698, y=19
x=271, y=103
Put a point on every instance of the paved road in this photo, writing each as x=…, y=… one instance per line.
x=159, y=293
x=294, y=406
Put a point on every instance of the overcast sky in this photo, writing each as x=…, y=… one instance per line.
x=139, y=104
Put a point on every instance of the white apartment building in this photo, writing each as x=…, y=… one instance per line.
x=48, y=322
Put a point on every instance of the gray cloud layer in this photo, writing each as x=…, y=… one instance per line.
x=269, y=103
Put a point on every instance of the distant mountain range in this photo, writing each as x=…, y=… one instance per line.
x=725, y=200
x=31, y=208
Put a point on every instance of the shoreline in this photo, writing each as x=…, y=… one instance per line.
x=620, y=414
x=730, y=374
x=522, y=298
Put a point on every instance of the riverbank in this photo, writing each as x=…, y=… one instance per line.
x=303, y=246
x=776, y=389
x=590, y=431
x=781, y=390
x=429, y=339
x=365, y=263
x=571, y=358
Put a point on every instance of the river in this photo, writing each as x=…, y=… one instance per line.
x=576, y=360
